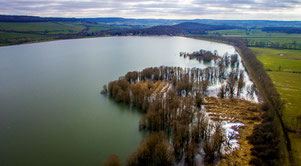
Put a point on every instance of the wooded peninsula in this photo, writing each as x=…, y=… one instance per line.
x=187, y=124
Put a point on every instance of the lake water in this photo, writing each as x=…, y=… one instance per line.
x=51, y=112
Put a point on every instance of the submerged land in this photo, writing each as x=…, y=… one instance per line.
x=204, y=125
x=277, y=46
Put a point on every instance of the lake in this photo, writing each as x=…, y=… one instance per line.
x=51, y=112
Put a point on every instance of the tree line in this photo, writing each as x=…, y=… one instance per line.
x=185, y=82
x=269, y=44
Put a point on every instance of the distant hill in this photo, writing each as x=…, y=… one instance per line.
x=251, y=23
x=153, y=22
x=26, y=29
x=9, y=18
x=131, y=21
x=191, y=27
x=178, y=29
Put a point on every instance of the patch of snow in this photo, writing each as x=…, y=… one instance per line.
x=231, y=133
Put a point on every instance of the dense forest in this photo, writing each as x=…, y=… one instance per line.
x=282, y=29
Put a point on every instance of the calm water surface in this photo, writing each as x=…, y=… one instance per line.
x=51, y=112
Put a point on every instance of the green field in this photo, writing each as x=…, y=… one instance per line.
x=12, y=35
x=97, y=28
x=52, y=28
x=17, y=33
x=274, y=59
x=253, y=33
x=48, y=27
x=287, y=80
x=256, y=35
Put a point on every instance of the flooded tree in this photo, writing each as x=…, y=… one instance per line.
x=198, y=99
x=131, y=76
x=153, y=150
x=201, y=55
x=222, y=92
x=112, y=160
x=191, y=152
x=240, y=83
x=213, y=143
x=234, y=59
x=180, y=139
x=231, y=81
x=204, y=86
x=172, y=99
x=104, y=90
x=226, y=59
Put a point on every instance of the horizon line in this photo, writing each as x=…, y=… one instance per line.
x=156, y=18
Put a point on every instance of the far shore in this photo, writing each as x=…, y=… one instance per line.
x=87, y=37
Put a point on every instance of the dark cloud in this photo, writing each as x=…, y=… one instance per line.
x=224, y=9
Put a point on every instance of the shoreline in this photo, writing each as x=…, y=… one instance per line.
x=51, y=40
x=90, y=37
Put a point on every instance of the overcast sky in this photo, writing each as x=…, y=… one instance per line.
x=168, y=9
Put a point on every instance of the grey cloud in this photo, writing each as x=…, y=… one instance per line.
x=132, y=8
x=239, y=4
